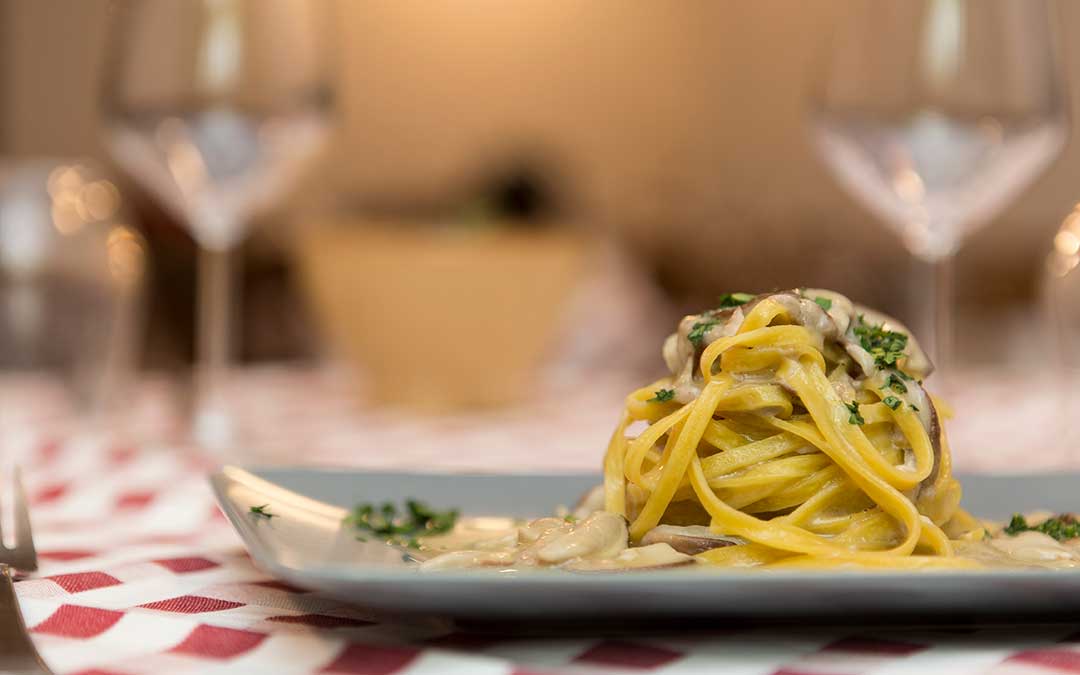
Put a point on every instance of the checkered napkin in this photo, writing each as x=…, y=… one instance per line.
x=141, y=575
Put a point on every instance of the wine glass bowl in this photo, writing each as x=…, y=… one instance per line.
x=936, y=114
x=933, y=178
x=72, y=269
x=216, y=107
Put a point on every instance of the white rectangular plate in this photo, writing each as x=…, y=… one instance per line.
x=306, y=545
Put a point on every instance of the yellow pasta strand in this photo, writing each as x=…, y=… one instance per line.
x=684, y=450
x=614, y=485
x=772, y=454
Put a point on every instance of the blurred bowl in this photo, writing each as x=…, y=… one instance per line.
x=441, y=317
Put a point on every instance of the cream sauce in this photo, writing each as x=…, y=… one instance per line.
x=1025, y=550
x=598, y=542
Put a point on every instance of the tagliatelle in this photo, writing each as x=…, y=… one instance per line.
x=793, y=433
x=754, y=434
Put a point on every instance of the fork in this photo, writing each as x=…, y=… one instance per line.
x=17, y=653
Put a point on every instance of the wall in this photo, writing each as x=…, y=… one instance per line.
x=678, y=124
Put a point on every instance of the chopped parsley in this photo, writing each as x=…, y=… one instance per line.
x=570, y=518
x=262, y=512
x=824, y=303
x=735, y=299
x=727, y=301
x=886, y=346
x=401, y=528
x=699, y=329
x=892, y=402
x=662, y=396
x=895, y=383
x=1059, y=527
x=914, y=407
x=855, y=417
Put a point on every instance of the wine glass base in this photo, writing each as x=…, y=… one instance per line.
x=213, y=430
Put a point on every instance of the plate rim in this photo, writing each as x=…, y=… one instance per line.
x=301, y=575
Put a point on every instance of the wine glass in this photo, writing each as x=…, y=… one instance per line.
x=71, y=276
x=936, y=114
x=216, y=106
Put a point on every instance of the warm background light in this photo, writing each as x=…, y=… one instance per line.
x=687, y=115
x=677, y=126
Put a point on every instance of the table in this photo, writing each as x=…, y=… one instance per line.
x=140, y=574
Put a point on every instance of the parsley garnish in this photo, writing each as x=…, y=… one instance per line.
x=570, y=518
x=824, y=303
x=855, y=417
x=914, y=407
x=698, y=330
x=886, y=346
x=662, y=396
x=1059, y=527
x=895, y=383
x=734, y=299
x=403, y=529
x=261, y=511
x=892, y=402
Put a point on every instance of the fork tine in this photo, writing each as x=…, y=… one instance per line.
x=24, y=542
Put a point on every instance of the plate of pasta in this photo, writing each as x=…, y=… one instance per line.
x=791, y=462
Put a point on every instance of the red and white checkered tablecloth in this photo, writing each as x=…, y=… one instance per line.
x=140, y=574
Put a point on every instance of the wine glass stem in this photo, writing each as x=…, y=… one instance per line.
x=213, y=423
x=937, y=329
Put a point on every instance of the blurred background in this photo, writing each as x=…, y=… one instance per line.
x=538, y=186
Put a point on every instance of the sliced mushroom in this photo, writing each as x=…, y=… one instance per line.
x=650, y=557
x=1035, y=547
x=685, y=385
x=672, y=356
x=726, y=322
x=805, y=312
x=933, y=429
x=590, y=502
x=681, y=355
x=688, y=539
x=534, y=530
x=601, y=535
x=528, y=554
x=841, y=309
x=862, y=357
x=465, y=559
x=500, y=543
x=916, y=395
